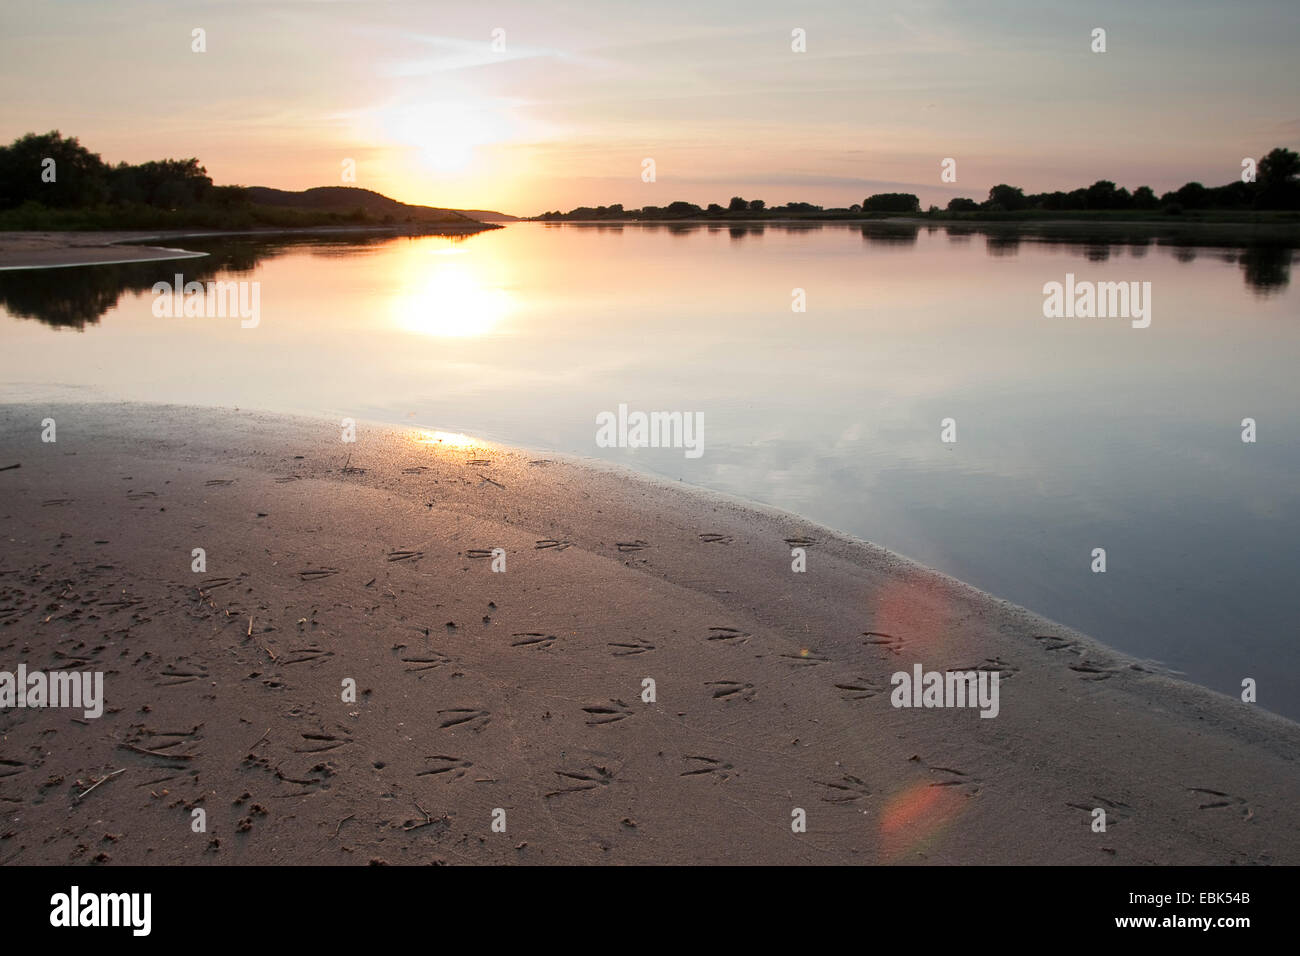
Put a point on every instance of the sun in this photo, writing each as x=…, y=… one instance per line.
x=443, y=137
x=447, y=155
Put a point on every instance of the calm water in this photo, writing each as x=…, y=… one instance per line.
x=1072, y=434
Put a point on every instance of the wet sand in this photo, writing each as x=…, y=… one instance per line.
x=48, y=250
x=51, y=250
x=519, y=695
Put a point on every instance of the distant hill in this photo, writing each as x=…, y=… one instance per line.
x=179, y=193
x=346, y=199
x=487, y=215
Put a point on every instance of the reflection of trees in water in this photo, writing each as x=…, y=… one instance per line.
x=1265, y=264
x=737, y=231
x=54, y=297
x=1266, y=268
x=890, y=233
x=74, y=296
x=999, y=244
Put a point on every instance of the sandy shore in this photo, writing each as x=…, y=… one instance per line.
x=522, y=691
x=48, y=250
x=51, y=250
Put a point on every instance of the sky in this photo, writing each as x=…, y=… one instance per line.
x=569, y=100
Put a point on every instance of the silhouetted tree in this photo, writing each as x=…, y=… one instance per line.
x=1144, y=198
x=1279, y=165
x=1190, y=196
x=681, y=208
x=1101, y=195
x=1007, y=197
x=1278, y=172
x=165, y=184
x=892, y=202
x=78, y=173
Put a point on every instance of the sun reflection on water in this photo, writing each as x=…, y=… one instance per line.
x=445, y=439
x=450, y=300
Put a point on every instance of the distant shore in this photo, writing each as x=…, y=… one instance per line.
x=57, y=249
x=1280, y=226
x=524, y=690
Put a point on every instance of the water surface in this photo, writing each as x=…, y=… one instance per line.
x=1072, y=434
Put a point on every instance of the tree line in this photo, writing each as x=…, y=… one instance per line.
x=49, y=181
x=59, y=173
x=1276, y=187
x=736, y=208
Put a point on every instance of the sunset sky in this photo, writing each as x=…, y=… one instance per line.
x=582, y=93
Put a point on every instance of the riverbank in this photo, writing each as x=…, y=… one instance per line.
x=1283, y=229
x=55, y=249
x=484, y=695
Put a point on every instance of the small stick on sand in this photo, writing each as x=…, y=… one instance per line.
x=428, y=819
x=250, y=625
x=343, y=821
x=155, y=753
x=260, y=739
x=109, y=777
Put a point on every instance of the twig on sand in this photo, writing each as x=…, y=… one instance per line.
x=343, y=821
x=428, y=819
x=260, y=739
x=281, y=775
x=250, y=625
x=109, y=777
x=156, y=753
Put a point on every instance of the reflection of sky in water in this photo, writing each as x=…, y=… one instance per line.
x=1072, y=433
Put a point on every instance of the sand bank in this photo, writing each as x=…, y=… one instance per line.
x=518, y=695
x=54, y=250
x=51, y=250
